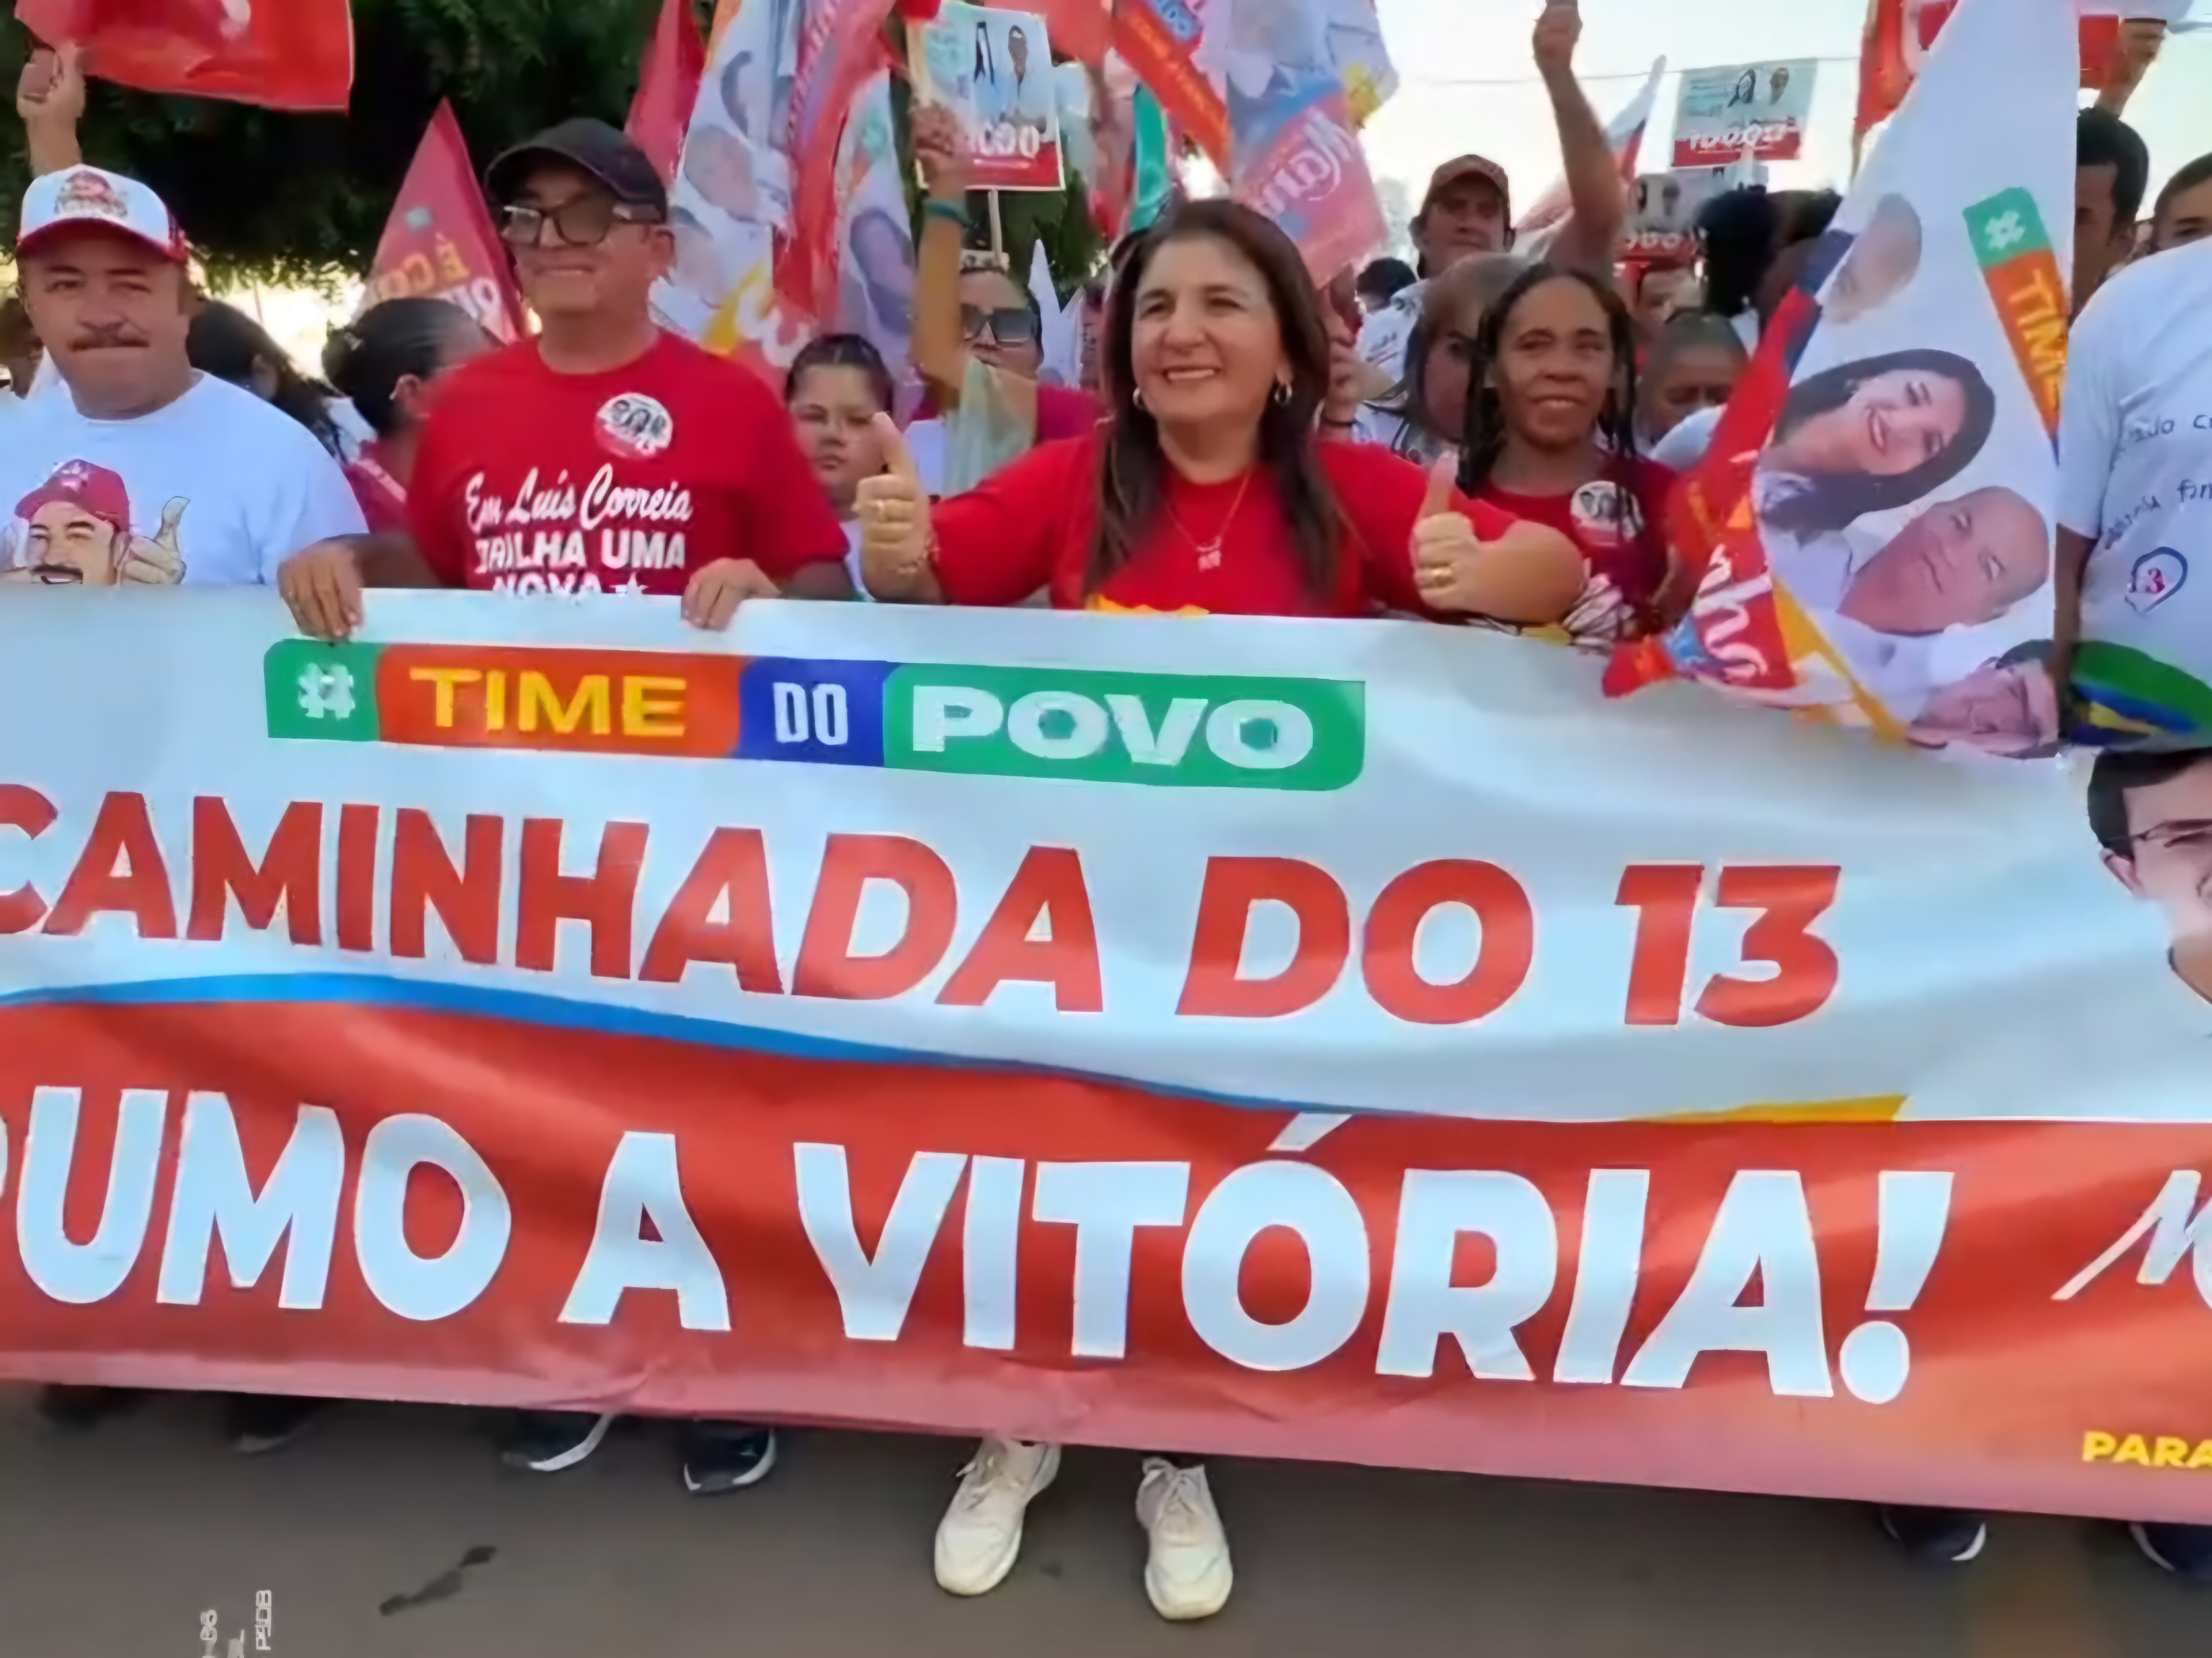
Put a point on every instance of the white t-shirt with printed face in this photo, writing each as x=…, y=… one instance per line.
x=218, y=489
x=2135, y=464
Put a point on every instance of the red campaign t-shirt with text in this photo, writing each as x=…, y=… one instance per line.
x=1625, y=568
x=1029, y=527
x=630, y=481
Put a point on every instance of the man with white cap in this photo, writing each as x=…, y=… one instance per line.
x=137, y=469
x=222, y=487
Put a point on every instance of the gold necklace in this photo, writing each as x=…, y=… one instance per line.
x=1209, y=552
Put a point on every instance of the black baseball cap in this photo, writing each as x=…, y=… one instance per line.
x=593, y=146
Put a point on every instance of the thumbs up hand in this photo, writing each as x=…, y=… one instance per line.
x=896, y=539
x=159, y=562
x=1445, y=547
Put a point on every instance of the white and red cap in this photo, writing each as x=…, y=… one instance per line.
x=81, y=196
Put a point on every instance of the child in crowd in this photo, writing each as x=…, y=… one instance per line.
x=1423, y=419
x=836, y=387
x=1695, y=362
x=383, y=363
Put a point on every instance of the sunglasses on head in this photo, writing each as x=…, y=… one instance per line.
x=1013, y=326
x=584, y=220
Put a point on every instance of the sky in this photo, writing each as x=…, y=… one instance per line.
x=1436, y=42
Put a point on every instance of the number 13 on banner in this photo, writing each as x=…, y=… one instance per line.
x=1788, y=897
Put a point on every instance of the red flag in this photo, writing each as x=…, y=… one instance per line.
x=841, y=47
x=1899, y=33
x=668, y=87
x=286, y=54
x=439, y=241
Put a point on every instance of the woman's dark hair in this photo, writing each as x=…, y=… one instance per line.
x=367, y=358
x=1831, y=500
x=1132, y=480
x=1483, y=444
x=224, y=342
x=840, y=351
x=1742, y=231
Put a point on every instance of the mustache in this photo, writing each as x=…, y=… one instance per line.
x=111, y=338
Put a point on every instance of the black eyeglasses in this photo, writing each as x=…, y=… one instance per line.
x=584, y=220
x=1012, y=326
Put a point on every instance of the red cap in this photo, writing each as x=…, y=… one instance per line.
x=92, y=489
x=1461, y=169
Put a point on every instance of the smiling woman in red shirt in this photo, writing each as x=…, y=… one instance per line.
x=1206, y=491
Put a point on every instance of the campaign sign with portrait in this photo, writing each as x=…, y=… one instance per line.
x=1663, y=220
x=1759, y=107
x=1870, y=535
x=993, y=69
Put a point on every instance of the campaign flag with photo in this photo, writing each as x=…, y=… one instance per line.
x=840, y=47
x=1871, y=535
x=1624, y=134
x=668, y=86
x=296, y=55
x=439, y=242
x=1295, y=154
x=1180, y=49
x=1759, y=109
x=731, y=199
x=993, y=68
x=1083, y=29
x=875, y=236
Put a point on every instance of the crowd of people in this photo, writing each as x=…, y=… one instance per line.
x=1493, y=441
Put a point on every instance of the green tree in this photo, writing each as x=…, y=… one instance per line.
x=278, y=197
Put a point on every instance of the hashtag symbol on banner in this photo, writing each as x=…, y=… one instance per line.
x=326, y=693
x=2005, y=231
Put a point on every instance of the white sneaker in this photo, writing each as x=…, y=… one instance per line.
x=980, y=1536
x=1187, y=1574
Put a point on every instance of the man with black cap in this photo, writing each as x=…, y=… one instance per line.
x=1468, y=209
x=605, y=455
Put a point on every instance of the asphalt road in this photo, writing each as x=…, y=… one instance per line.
x=387, y=1533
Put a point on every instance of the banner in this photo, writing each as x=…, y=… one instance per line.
x=439, y=239
x=297, y=55
x=1872, y=527
x=1350, y=1041
x=993, y=69
x=1761, y=109
x=668, y=86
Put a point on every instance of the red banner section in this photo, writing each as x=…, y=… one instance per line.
x=294, y=55
x=508, y=1200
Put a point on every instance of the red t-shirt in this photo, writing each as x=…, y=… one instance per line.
x=632, y=480
x=1029, y=527
x=1626, y=567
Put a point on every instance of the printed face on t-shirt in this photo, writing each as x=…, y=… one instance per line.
x=65, y=545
